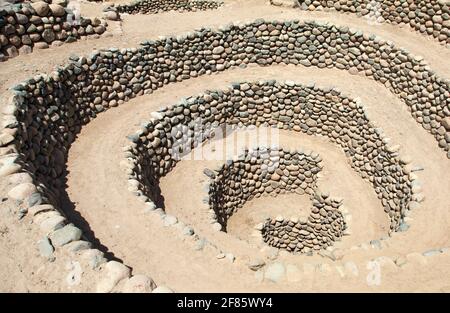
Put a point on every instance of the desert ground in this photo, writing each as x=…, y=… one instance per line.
x=97, y=197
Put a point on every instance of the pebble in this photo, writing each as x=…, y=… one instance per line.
x=170, y=220
x=9, y=169
x=52, y=223
x=139, y=284
x=432, y=252
x=188, y=231
x=256, y=264
x=6, y=139
x=113, y=273
x=42, y=8
x=65, y=235
x=22, y=191
x=111, y=15
x=78, y=245
x=94, y=257
x=46, y=249
x=209, y=173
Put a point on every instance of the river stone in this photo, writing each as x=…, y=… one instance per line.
x=48, y=35
x=111, y=15
x=78, y=245
x=21, y=18
x=94, y=257
x=209, y=173
x=40, y=208
x=113, y=273
x=256, y=264
x=65, y=235
x=25, y=50
x=57, y=9
x=22, y=191
x=139, y=284
x=11, y=51
x=170, y=220
x=52, y=223
x=9, y=169
x=41, y=45
x=42, y=8
x=218, y=50
x=45, y=248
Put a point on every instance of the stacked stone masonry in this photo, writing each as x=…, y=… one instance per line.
x=47, y=111
x=314, y=111
x=429, y=17
x=271, y=171
x=27, y=26
x=158, y=6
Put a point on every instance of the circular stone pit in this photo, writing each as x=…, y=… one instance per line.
x=271, y=171
x=159, y=145
x=48, y=111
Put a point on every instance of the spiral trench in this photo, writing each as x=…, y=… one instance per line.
x=150, y=222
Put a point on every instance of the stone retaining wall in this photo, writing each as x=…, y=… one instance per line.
x=311, y=110
x=324, y=226
x=271, y=171
x=52, y=109
x=157, y=6
x=47, y=111
x=429, y=17
x=26, y=26
x=259, y=172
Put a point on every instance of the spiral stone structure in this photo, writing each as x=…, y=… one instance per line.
x=364, y=124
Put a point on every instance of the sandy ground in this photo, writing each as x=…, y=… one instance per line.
x=100, y=203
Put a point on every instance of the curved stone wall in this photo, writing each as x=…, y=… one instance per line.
x=157, y=6
x=258, y=172
x=73, y=95
x=26, y=26
x=270, y=171
x=429, y=17
x=47, y=111
x=308, y=109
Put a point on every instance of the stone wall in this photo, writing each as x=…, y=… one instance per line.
x=27, y=26
x=271, y=171
x=429, y=17
x=311, y=110
x=324, y=226
x=51, y=109
x=157, y=6
x=259, y=172
x=75, y=94
x=46, y=112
